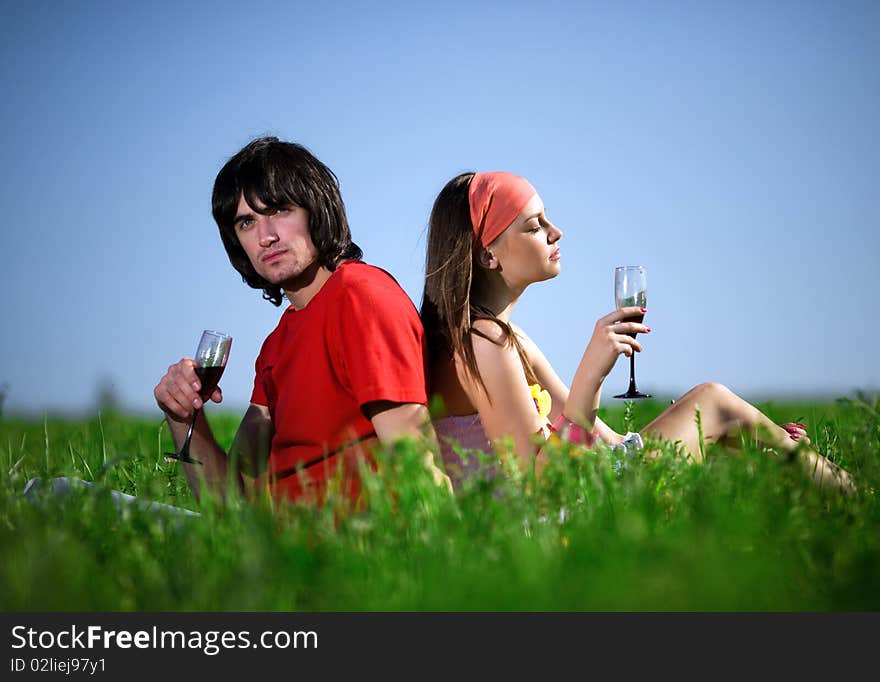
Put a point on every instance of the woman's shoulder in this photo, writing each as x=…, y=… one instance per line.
x=491, y=330
x=491, y=343
x=524, y=338
x=519, y=331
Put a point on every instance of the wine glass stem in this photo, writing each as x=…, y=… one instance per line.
x=632, y=373
x=185, y=449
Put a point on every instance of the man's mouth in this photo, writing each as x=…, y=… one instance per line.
x=272, y=255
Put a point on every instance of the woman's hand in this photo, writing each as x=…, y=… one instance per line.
x=797, y=432
x=614, y=336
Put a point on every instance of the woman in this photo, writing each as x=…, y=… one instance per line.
x=489, y=239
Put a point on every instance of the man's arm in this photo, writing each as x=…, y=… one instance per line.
x=392, y=421
x=253, y=441
x=247, y=455
x=177, y=396
x=214, y=469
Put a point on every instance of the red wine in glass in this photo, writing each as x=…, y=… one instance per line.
x=631, y=289
x=211, y=356
x=209, y=377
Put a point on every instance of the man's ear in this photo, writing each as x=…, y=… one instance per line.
x=487, y=259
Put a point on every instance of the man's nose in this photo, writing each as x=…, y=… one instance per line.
x=266, y=231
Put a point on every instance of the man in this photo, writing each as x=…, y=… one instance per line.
x=345, y=365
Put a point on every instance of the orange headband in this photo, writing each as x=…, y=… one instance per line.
x=496, y=199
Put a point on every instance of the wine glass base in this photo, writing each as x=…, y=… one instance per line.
x=182, y=458
x=633, y=395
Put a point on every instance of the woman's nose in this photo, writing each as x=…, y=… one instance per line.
x=555, y=234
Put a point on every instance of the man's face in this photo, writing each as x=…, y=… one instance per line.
x=278, y=244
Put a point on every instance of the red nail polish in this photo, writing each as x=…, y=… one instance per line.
x=644, y=310
x=649, y=329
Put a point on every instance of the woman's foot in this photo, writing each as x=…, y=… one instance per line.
x=825, y=472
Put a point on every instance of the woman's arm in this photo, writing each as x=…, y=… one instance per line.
x=504, y=402
x=555, y=386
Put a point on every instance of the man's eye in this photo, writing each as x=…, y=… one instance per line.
x=245, y=223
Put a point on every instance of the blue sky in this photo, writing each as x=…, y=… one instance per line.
x=730, y=147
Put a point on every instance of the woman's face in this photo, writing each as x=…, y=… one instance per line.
x=528, y=250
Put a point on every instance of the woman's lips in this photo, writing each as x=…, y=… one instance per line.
x=555, y=255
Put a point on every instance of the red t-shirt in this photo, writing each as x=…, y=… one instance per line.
x=358, y=340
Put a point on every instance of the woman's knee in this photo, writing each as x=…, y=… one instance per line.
x=709, y=391
x=713, y=388
x=716, y=399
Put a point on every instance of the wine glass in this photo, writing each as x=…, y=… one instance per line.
x=211, y=356
x=631, y=288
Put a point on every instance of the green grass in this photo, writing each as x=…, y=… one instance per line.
x=744, y=532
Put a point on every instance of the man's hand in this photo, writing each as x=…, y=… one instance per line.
x=177, y=393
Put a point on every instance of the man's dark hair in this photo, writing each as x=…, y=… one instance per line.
x=280, y=174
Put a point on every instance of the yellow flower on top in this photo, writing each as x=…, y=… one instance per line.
x=542, y=401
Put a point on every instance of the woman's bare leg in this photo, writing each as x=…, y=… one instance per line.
x=723, y=415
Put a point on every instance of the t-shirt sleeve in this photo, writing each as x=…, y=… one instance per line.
x=379, y=342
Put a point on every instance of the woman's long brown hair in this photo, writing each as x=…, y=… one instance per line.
x=451, y=274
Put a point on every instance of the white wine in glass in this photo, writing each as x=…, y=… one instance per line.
x=631, y=289
x=211, y=356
